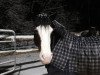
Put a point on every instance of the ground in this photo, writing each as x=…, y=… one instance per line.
x=27, y=64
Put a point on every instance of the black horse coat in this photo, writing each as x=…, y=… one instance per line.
x=77, y=54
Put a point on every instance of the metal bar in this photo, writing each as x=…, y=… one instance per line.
x=6, y=30
x=5, y=41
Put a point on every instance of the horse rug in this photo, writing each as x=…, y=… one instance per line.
x=77, y=54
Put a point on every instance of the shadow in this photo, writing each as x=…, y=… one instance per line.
x=18, y=69
x=30, y=62
x=12, y=73
x=3, y=70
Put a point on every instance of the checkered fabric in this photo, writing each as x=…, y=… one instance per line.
x=77, y=54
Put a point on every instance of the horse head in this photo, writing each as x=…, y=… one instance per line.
x=42, y=37
x=46, y=35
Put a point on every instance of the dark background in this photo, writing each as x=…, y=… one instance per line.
x=77, y=15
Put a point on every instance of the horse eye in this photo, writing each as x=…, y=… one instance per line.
x=52, y=26
x=35, y=31
x=54, y=29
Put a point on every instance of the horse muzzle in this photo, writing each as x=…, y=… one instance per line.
x=46, y=57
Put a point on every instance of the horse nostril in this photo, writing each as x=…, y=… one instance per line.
x=46, y=58
x=43, y=57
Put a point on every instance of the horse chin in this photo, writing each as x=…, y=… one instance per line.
x=46, y=58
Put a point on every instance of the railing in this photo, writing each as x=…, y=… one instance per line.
x=13, y=41
x=22, y=42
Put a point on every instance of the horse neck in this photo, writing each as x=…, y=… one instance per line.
x=54, y=40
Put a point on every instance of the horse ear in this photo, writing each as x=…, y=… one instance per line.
x=53, y=16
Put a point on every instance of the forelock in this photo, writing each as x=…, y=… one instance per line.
x=42, y=19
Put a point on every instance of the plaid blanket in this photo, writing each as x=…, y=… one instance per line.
x=77, y=54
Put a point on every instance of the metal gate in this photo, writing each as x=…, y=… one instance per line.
x=8, y=36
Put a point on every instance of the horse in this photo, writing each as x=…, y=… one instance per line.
x=64, y=50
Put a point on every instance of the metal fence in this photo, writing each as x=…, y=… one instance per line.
x=4, y=34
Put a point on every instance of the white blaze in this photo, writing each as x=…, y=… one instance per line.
x=44, y=33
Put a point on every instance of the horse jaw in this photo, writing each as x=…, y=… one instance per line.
x=44, y=33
